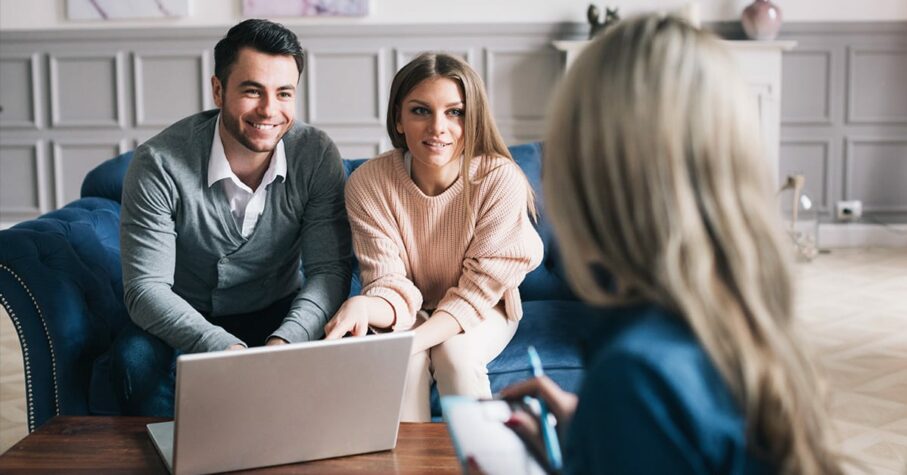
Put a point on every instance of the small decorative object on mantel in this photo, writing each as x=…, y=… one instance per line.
x=593, y=14
x=761, y=20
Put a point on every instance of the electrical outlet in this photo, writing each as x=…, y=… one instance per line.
x=849, y=210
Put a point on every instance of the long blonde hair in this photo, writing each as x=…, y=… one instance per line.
x=654, y=173
x=481, y=137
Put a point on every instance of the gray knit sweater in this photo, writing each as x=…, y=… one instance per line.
x=183, y=254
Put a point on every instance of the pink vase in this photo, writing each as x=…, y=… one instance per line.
x=761, y=20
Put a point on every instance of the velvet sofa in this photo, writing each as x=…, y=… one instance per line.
x=61, y=284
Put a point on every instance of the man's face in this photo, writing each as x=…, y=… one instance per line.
x=258, y=102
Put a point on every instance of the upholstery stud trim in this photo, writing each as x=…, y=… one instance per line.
x=25, y=350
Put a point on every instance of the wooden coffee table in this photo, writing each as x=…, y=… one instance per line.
x=103, y=444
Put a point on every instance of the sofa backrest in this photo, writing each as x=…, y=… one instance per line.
x=106, y=179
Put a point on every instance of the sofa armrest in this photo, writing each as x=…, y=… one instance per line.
x=60, y=283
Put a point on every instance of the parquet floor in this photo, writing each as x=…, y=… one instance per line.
x=853, y=313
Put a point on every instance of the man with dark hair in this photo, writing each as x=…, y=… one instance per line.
x=218, y=212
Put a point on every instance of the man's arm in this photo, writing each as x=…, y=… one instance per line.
x=148, y=253
x=326, y=253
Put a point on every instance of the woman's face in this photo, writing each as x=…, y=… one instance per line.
x=431, y=120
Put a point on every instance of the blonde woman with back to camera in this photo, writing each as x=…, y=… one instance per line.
x=442, y=231
x=666, y=217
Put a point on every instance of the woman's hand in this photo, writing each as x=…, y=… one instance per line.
x=352, y=317
x=561, y=404
x=435, y=330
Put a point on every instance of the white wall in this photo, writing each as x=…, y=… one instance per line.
x=50, y=14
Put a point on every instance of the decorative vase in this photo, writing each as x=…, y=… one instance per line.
x=761, y=20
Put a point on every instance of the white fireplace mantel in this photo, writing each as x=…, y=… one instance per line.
x=760, y=64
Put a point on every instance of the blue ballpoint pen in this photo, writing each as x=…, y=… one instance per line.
x=549, y=434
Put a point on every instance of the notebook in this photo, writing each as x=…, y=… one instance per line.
x=283, y=404
x=477, y=430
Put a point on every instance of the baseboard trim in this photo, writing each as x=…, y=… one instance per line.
x=833, y=235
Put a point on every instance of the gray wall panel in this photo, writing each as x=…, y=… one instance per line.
x=20, y=96
x=404, y=56
x=21, y=173
x=72, y=160
x=877, y=173
x=351, y=149
x=346, y=87
x=86, y=90
x=806, y=83
x=809, y=158
x=169, y=86
x=865, y=75
x=876, y=86
x=520, y=81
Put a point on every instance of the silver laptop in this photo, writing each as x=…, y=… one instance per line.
x=275, y=405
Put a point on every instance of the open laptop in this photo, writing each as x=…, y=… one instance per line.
x=275, y=405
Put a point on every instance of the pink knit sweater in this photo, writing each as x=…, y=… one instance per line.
x=418, y=251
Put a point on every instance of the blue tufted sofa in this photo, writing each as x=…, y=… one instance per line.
x=61, y=284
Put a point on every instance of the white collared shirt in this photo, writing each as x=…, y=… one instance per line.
x=246, y=205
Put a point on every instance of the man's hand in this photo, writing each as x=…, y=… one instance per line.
x=351, y=318
x=236, y=346
x=276, y=340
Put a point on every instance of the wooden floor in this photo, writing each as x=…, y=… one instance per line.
x=853, y=312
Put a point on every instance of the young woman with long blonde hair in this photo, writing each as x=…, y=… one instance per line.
x=665, y=213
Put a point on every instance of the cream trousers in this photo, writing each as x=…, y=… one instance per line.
x=459, y=365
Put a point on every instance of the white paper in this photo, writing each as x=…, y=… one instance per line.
x=477, y=430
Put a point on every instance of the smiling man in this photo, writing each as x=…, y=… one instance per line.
x=223, y=213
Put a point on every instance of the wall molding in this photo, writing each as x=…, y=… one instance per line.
x=824, y=119
x=58, y=158
x=56, y=119
x=33, y=60
x=849, y=157
x=379, y=80
x=37, y=158
x=138, y=82
x=400, y=55
x=825, y=204
x=852, y=53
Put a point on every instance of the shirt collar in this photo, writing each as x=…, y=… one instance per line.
x=219, y=167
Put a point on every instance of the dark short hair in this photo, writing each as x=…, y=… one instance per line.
x=261, y=35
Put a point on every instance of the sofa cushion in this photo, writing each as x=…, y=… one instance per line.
x=554, y=327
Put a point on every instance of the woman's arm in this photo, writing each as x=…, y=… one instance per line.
x=435, y=330
x=389, y=299
x=505, y=247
